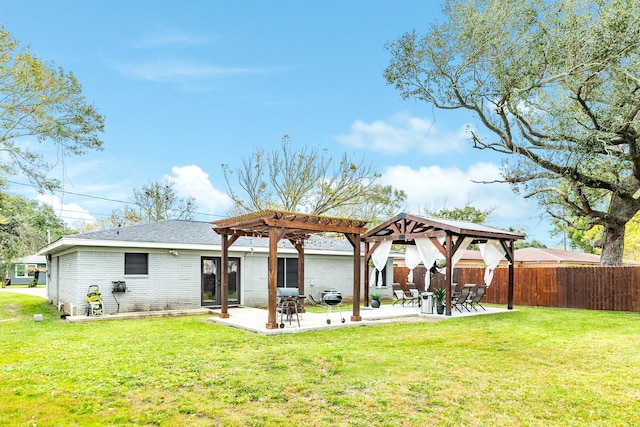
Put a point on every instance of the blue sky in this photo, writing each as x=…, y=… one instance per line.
x=187, y=86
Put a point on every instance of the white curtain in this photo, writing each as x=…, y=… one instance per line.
x=460, y=252
x=379, y=258
x=411, y=259
x=492, y=252
x=458, y=255
x=428, y=253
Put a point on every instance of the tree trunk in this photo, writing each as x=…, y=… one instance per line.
x=613, y=245
x=620, y=212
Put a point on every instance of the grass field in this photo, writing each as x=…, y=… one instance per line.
x=536, y=367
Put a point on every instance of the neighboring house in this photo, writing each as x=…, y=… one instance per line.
x=176, y=265
x=544, y=257
x=26, y=268
x=535, y=257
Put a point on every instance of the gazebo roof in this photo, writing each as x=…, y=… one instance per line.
x=404, y=228
x=296, y=225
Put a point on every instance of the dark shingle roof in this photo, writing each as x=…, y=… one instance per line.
x=181, y=232
x=170, y=231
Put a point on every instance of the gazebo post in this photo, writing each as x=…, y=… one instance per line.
x=511, y=274
x=273, y=278
x=448, y=276
x=366, y=274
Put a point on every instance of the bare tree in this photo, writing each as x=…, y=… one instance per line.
x=306, y=179
x=158, y=201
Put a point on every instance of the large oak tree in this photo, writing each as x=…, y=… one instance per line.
x=39, y=104
x=555, y=84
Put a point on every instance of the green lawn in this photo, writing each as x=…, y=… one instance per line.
x=539, y=367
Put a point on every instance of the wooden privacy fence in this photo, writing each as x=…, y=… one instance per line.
x=592, y=288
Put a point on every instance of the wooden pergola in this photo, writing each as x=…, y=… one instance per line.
x=295, y=227
x=404, y=228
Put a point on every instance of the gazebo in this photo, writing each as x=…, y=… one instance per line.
x=432, y=236
x=295, y=227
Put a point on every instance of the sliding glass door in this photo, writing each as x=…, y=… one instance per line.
x=211, y=279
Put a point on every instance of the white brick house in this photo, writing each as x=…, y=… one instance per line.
x=175, y=265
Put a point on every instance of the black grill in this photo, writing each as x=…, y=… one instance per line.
x=331, y=298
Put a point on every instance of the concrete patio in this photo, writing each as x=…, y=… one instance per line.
x=255, y=319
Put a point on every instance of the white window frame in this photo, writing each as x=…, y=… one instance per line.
x=25, y=274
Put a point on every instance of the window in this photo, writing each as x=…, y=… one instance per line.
x=26, y=270
x=384, y=278
x=287, y=272
x=135, y=263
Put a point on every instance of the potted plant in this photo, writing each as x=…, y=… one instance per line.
x=375, y=300
x=440, y=295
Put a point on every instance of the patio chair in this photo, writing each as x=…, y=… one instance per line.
x=462, y=299
x=400, y=296
x=398, y=293
x=477, y=297
x=396, y=287
x=454, y=294
x=403, y=298
x=414, y=294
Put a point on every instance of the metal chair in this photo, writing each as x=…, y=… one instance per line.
x=462, y=299
x=477, y=297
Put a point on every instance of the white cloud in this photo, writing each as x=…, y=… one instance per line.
x=178, y=70
x=164, y=37
x=403, y=133
x=435, y=187
x=71, y=213
x=191, y=181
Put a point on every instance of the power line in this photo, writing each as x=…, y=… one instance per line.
x=62, y=209
x=98, y=198
x=75, y=194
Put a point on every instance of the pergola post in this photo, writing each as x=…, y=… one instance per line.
x=273, y=278
x=224, y=291
x=300, y=248
x=355, y=241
